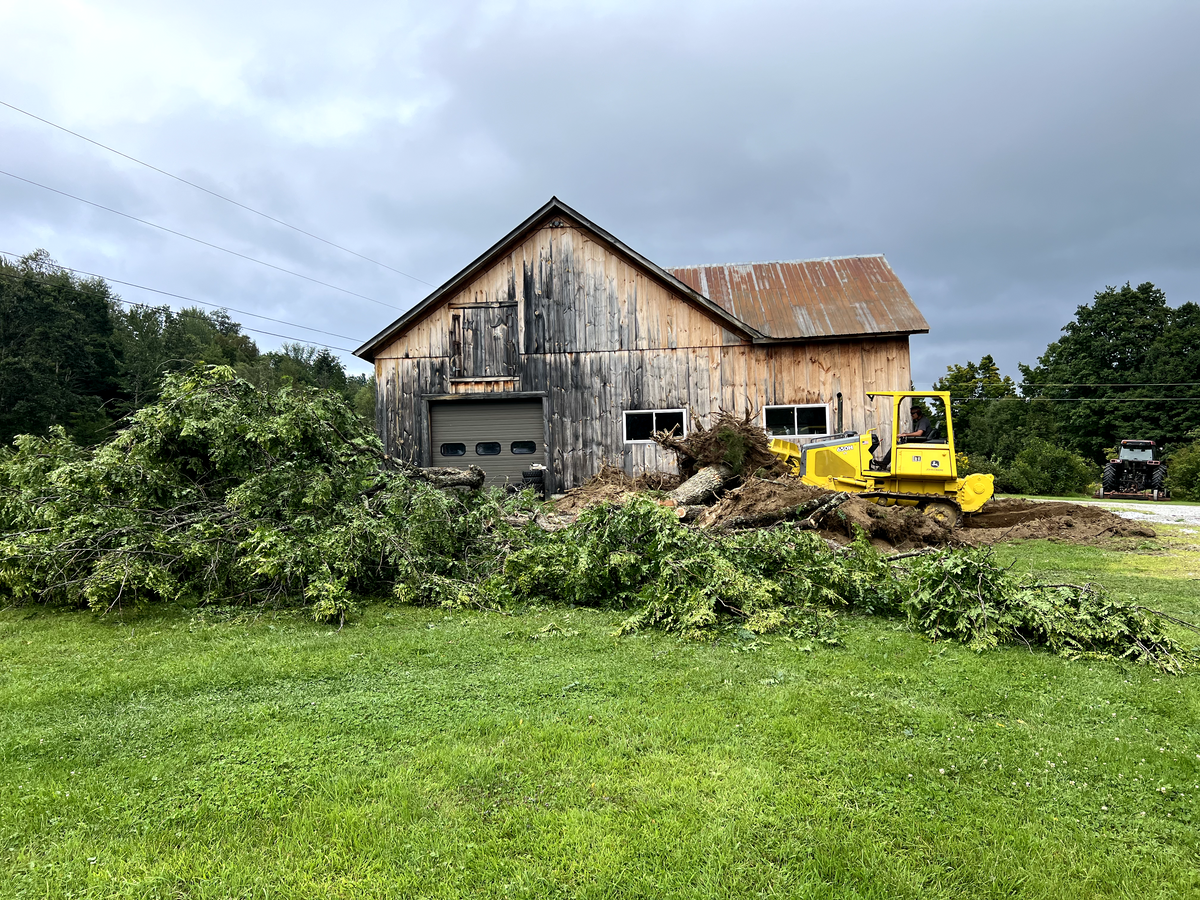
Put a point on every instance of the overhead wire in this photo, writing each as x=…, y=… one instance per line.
x=1113, y=384
x=223, y=306
x=186, y=314
x=198, y=240
x=213, y=193
x=1075, y=399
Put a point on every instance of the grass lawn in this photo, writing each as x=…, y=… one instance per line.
x=419, y=753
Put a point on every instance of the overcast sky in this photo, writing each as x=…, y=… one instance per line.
x=1010, y=159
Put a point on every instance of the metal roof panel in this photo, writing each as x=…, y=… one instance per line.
x=813, y=298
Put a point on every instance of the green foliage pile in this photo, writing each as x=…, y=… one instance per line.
x=638, y=557
x=223, y=493
x=966, y=597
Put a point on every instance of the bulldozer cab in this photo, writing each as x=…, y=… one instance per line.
x=928, y=453
x=888, y=463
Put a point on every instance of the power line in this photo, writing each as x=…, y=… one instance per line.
x=241, y=312
x=214, y=193
x=197, y=240
x=1110, y=384
x=1072, y=399
x=185, y=313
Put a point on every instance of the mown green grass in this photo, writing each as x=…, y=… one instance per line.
x=1162, y=572
x=419, y=753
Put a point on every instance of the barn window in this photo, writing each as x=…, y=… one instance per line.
x=520, y=448
x=640, y=425
x=488, y=448
x=805, y=420
x=454, y=449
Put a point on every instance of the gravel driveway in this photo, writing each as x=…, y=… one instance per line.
x=1166, y=513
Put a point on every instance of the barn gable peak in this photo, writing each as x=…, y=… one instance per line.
x=555, y=214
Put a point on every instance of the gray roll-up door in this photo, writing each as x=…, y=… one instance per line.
x=462, y=432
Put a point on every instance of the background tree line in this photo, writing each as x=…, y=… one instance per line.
x=72, y=354
x=1127, y=366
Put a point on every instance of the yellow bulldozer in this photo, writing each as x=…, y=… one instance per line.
x=919, y=470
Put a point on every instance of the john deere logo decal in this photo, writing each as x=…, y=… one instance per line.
x=934, y=464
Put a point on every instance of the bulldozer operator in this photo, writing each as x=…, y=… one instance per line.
x=922, y=430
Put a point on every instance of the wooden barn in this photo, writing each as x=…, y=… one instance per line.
x=564, y=347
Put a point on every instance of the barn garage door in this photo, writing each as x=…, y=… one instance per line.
x=502, y=437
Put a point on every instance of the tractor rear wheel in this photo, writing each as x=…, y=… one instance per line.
x=1158, y=481
x=1111, y=478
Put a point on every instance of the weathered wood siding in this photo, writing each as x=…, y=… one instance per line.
x=562, y=315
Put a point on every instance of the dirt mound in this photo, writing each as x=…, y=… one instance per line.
x=611, y=485
x=1077, y=523
x=761, y=502
x=901, y=527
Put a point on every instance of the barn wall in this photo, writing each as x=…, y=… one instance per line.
x=597, y=335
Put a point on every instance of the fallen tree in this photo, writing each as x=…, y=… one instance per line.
x=224, y=494
x=703, y=486
x=741, y=446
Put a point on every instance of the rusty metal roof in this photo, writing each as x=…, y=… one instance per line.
x=815, y=298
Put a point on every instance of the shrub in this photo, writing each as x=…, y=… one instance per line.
x=1043, y=468
x=1183, y=473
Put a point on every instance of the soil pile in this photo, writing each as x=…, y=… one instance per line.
x=898, y=527
x=1017, y=520
x=761, y=502
x=611, y=485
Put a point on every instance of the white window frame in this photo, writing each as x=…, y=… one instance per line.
x=811, y=435
x=625, y=423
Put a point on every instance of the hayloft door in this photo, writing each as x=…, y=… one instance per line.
x=483, y=338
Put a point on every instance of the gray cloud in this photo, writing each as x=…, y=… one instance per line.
x=1011, y=159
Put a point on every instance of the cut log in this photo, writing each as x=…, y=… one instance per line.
x=446, y=476
x=824, y=508
x=439, y=476
x=702, y=486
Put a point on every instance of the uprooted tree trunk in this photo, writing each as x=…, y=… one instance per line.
x=703, y=486
x=811, y=514
x=440, y=476
x=738, y=443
